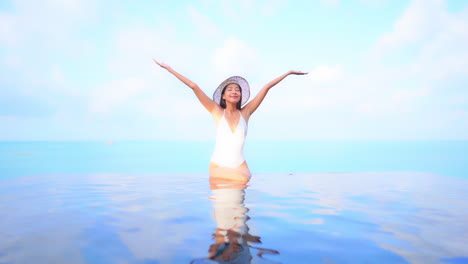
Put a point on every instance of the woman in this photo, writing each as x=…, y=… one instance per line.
x=231, y=120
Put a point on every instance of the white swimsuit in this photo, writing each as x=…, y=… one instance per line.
x=229, y=148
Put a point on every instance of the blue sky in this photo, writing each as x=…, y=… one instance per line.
x=379, y=69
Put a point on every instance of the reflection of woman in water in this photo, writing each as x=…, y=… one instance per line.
x=231, y=121
x=231, y=237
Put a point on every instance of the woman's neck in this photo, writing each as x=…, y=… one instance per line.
x=231, y=108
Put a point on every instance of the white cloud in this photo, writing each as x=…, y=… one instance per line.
x=57, y=76
x=439, y=54
x=232, y=9
x=204, y=25
x=36, y=35
x=391, y=103
x=330, y=2
x=272, y=7
x=12, y=61
x=8, y=34
x=374, y=3
x=445, y=54
x=326, y=74
x=141, y=82
x=44, y=22
x=420, y=21
x=73, y=6
x=134, y=47
x=235, y=57
x=106, y=98
x=238, y=12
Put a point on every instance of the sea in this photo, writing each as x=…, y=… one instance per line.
x=448, y=158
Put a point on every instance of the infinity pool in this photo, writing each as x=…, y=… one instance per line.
x=278, y=218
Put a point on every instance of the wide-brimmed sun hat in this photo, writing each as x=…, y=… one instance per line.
x=244, y=85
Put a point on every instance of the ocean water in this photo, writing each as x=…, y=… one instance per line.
x=448, y=158
x=307, y=202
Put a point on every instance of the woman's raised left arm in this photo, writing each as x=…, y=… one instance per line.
x=253, y=105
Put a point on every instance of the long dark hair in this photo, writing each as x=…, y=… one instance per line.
x=222, y=102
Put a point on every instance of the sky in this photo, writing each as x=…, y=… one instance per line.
x=378, y=69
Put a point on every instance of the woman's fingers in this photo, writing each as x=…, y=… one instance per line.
x=160, y=63
x=300, y=73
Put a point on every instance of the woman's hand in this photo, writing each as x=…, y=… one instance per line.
x=162, y=65
x=297, y=72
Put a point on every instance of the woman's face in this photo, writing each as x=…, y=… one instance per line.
x=232, y=93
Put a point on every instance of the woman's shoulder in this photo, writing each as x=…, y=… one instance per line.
x=217, y=112
x=245, y=114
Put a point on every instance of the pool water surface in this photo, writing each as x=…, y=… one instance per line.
x=381, y=217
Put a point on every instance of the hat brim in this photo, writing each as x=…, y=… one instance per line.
x=243, y=84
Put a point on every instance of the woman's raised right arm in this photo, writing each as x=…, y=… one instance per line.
x=209, y=104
